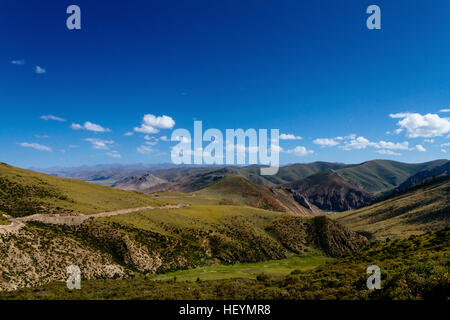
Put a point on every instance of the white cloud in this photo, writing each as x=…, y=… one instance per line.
x=90, y=127
x=390, y=145
x=445, y=144
x=128, y=134
x=331, y=142
x=325, y=142
x=52, y=117
x=39, y=70
x=19, y=62
x=151, y=139
x=360, y=143
x=76, y=126
x=419, y=148
x=41, y=136
x=443, y=151
x=151, y=142
x=182, y=139
x=36, y=146
x=349, y=137
x=428, y=141
x=300, y=151
x=152, y=124
x=114, y=154
x=164, y=138
x=145, y=149
x=444, y=110
x=388, y=152
x=73, y=146
x=357, y=143
x=99, y=144
x=289, y=136
x=417, y=125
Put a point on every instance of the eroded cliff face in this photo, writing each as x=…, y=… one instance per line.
x=29, y=258
x=330, y=192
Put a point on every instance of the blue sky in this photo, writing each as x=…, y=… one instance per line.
x=310, y=68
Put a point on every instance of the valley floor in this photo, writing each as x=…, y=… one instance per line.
x=413, y=268
x=281, y=267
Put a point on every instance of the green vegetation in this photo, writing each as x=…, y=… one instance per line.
x=289, y=173
x=24, y=192
x=417, y=210
x=413, y=268
x=281, y=267
x=379, y=176
x=3, y=220
x=375, y=177
x=232, y=242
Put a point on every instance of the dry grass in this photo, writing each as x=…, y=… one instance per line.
x=414, y=212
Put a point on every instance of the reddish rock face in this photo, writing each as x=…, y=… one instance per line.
x=329, y=191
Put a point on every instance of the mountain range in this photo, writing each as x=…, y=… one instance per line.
x=327, y=186
x=213, y=217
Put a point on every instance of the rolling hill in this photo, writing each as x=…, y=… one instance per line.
x=141, y=183
x=423, y=175
x=330, y=192
x=421, y=208
x=289, y=173
x=380, y=176
x=24, y=192
x=239, y=191
x=206, y=230
x=376, y=177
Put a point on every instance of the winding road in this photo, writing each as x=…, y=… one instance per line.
x=19, y=223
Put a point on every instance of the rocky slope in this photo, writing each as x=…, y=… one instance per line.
x=329, y=191
x=140, y=183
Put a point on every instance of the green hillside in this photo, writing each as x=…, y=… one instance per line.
x=212, y=230
x=289, y=173
x=422, y=208
x=24, y=192
x=375, y=177
x=411, y=269
x=379, y=176
x=165, y=240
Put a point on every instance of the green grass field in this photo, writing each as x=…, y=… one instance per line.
x=202, y=217
x=248, y=270
x=24, y=192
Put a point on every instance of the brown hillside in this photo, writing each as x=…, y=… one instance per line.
x=328, y=191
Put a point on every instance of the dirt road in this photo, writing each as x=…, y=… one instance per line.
x=18, y=223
